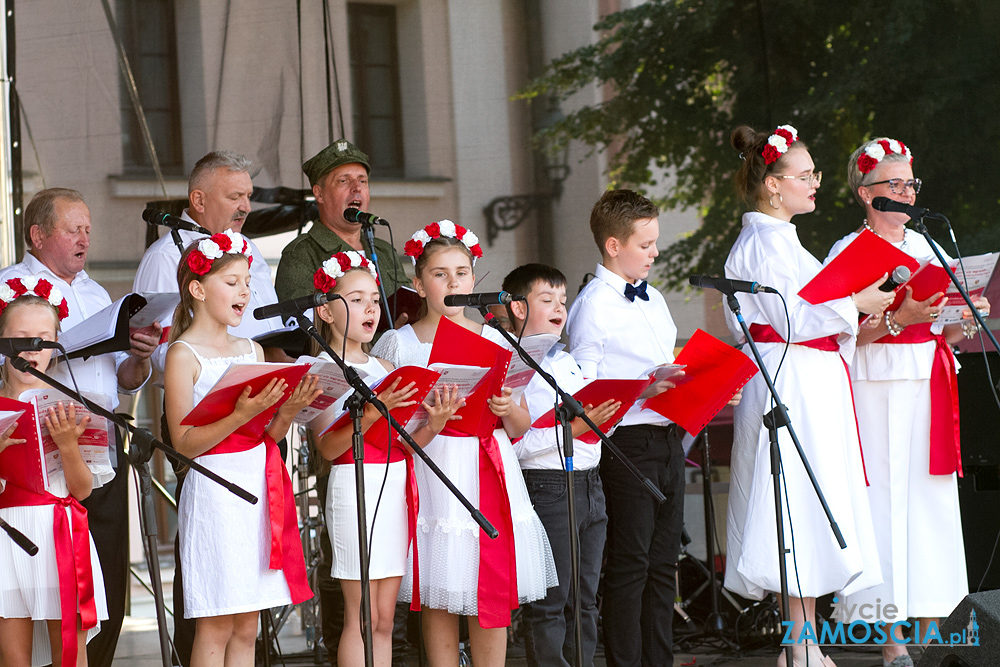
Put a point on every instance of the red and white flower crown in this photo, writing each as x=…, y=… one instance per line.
x=325, y=278
x=875, y=151
x=33, y=286
x=200, y=260
x=779, y=142
x=445, y=228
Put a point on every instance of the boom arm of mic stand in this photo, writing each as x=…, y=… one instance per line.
x=368, y=395
x=140, y=435
x=20, y=539
x=576, y=410
x=922, y=228
x=370, y=236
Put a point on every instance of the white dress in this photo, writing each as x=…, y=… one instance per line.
x=917, y=514
x=224, y=540
x=388, y=532
x=29, y=585
x=447, y=537
x=815, y=387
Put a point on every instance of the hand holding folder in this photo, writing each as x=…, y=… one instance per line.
x=716, y=371
x=861, y=263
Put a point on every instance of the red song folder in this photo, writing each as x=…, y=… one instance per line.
x=221, y=398
x=380, y=432
x=862, y=262
x=454, y=344
x=597, y=392
x=716, y=371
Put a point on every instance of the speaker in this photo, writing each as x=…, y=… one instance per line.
x=976, y=620
x=977, y=409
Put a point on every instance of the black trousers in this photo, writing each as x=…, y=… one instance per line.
x=644, y=539
x=107, y=511
x=550, y=639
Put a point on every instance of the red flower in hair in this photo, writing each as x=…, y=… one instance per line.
x=17, y=286
x=344, y=261
x=433, y=230
x=866, y=163
x=43, y=288
x=223, y=241
x=63, y=310
x=781, y=132
x=460, y=232
x=477, y=251
x=198, y=263
x=771, y=154
x=249, y=260
x=323, y=282
x=413, y=248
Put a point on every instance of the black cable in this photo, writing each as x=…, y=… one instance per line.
x=395, y=258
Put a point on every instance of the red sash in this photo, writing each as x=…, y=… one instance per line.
x=286, y=544
x=765, y=333
x=496, y=593
x=76, y=576
x=945, y=436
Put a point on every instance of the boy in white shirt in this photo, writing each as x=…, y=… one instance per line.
x=620, y=328
x=549, y=635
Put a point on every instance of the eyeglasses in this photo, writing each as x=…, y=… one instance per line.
x=810, y=179
x=898, y=185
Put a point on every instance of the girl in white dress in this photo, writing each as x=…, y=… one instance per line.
x=34, y=630
x=347, y=324
x=778, y=181
x=231, y=567
x=451, y=560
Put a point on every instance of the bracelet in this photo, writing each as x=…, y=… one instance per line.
x=970, y=328
x=892, y=325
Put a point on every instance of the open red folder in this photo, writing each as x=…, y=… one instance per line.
x=380, y=432
x=454, y=344
x=221, y=398
x=862, y=262
x=597, y=392
x=716, y=371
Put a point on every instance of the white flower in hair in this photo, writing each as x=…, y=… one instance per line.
x=210, y=249
x=778, y=142
x=447, y=228
x=55, y=296
x=30, y=282
x=7, y=294
x=422, y=236
x=470, y=239
x=875, y=151
x=791, y=130
x=895, y=147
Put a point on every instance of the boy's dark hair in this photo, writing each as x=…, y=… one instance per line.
x=615, y=213
x=523, y=278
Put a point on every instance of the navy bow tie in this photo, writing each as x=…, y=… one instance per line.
x=637, y=290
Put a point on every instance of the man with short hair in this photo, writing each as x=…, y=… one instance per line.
x=57, y=234
x=338, y=175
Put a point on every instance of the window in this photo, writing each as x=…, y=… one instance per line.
x=147, y=31
x=378, y=122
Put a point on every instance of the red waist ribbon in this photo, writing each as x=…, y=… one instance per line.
x=946, y=438
x=76, y=576
x=765, y=333
x=496, y=593
x=286, y=545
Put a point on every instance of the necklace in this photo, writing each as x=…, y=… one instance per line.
x=872, y=230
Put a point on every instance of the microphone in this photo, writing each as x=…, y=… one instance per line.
x=893, y=206
x=356, y=215
x=11, y=347
x=295, y=306
x=482, y=299
x=899, y=276
x=727, y=286
x=155, y=217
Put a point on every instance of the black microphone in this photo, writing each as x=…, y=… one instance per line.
x=482, y=299
x=893, y=206
x=155, y=217
x=11, y=347
x=357, y=215
x=295, y=306
x=727, y=286
x=899, y=276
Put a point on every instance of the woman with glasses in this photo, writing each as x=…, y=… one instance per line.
x=904, y=389
x=778, y=181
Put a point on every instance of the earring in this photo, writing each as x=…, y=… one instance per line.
x=780, y=200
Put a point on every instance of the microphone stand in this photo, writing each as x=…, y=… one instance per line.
x=918, y=224
x=367, y=228
x=774, y=420
x=356, y=402
x=20, y=539
x=140, y=450
x=568, y=409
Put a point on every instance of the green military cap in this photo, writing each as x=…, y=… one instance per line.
x=338, y=153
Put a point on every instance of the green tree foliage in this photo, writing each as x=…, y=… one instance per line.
x=686, y=72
